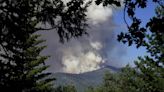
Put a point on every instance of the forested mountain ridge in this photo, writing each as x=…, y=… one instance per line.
x=84, y=80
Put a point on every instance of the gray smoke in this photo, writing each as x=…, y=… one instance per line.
x=86, y=53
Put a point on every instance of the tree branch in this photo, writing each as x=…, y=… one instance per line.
x=124, y=16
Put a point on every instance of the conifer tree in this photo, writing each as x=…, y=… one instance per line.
x=21, y=65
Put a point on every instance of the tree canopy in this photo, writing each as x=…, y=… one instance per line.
x=21, y=65
x=148, y=73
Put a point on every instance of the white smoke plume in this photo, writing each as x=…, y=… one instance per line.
x=87, y=53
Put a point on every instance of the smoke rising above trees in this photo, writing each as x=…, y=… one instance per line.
x=89, y=52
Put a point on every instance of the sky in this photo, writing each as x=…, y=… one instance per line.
x=97, y=50
x=144, y=15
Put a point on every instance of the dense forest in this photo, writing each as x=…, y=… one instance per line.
x=22, y=67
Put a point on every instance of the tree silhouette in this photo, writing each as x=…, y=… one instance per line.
x=21, y=65
x=148, y=74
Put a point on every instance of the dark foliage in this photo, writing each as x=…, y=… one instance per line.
x=21, y=65
x=148, y=74
x=108, y=2
x=137, y=34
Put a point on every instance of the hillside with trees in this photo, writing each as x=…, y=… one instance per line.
x=22, y=67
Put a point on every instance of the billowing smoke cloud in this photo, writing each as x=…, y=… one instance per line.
x=88, y=52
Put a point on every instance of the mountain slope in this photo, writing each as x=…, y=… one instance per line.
x=84, y=80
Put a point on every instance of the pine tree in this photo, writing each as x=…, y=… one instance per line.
x=21, y=65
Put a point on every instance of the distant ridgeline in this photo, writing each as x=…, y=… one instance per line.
x=84, y=80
